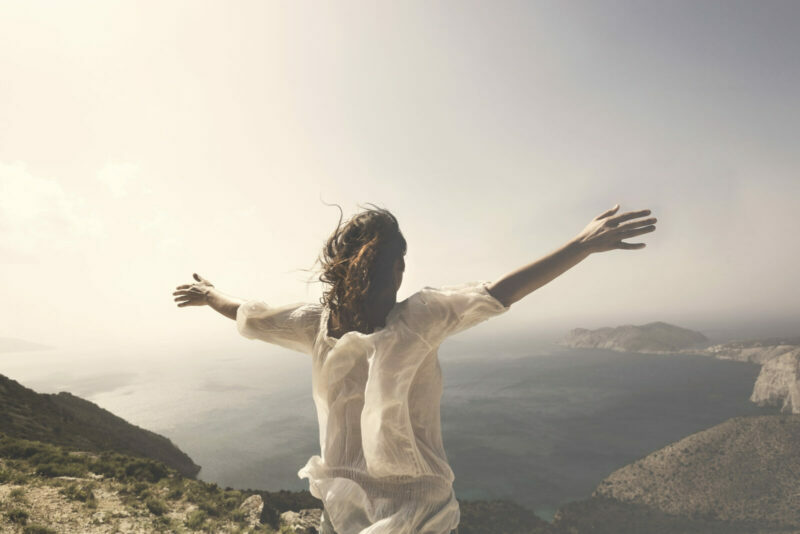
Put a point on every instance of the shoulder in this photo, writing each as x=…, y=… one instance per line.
x=303, y=309
x=429, y=295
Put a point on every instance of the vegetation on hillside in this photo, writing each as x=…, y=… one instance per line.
x=71, y=421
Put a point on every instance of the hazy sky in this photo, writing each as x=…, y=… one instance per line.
x=143, y=141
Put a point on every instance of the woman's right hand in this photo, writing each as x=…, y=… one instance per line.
x=605, y=232
x=193, y=294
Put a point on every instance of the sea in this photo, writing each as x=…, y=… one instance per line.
x=539, y=424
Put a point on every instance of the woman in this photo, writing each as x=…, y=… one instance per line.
x=376, y=378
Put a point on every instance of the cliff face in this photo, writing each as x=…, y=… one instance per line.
x=740, y=476
x=658, y=337
x=67, y=420
x=778, y=384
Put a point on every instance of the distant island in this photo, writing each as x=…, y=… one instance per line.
x=653, y=338
x=12, y=344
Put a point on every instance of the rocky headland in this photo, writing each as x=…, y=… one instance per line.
x=741, y=476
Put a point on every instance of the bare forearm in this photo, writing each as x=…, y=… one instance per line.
x=224, y=304
x=517, y=284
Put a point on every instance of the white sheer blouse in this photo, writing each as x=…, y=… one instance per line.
x=382, y=467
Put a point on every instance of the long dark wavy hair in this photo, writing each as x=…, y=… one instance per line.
x=356, y=264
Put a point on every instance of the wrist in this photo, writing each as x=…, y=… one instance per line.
x=209, y=292
x=579, y=246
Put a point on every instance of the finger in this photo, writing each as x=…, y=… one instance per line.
x=630, y=245
x=197, y=277
x=184, y=286
x=182, y=297
x=637, y=224
x=637, y=231
x=181, y=292
x=607, y=212
x=629, y=215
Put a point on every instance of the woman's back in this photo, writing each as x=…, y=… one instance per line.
x=382, y=465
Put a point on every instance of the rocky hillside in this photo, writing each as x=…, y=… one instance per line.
x=656, y=338
x=740, y=476
x=49, y=489
x=67, y=420
x=46, y=489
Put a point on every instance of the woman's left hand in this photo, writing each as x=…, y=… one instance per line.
x=605, y=232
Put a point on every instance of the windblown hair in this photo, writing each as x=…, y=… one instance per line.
x=357, y=263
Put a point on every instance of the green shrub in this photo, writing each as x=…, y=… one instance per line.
x=211, y=507
x=107, y=468
x=270, y=516
x=83, y=493
x=38, y=529
x=195, y=519
x=149, y=470
x=22, y=448
x=17, y=516
x=162, y=523
x=20, y=478
x=61, y=469
x=175, y=493
x=156, y=506
x=232, y=499
x=120, y=466
x=17, y=494
x=139, y=488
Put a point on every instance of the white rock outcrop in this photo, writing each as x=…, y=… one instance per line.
x=252, y=507
x=778, y=383
x=305, y=521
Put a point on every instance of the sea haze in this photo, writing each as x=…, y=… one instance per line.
x=541, y=429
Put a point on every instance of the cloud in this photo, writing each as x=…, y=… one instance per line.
x=39, y=217
x=118, y=177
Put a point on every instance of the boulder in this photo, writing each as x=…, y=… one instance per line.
x=305, y=521
x=252, y=507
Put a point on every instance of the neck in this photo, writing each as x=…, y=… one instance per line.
x=375, y=318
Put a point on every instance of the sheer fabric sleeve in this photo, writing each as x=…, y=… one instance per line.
x=293, y=326
x=447, y=310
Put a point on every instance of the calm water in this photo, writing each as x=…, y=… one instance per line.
x=541, y=429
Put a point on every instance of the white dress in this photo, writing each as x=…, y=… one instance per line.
x=382, y=467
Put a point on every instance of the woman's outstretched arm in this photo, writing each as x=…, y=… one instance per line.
x=603, y=233
x=204, y=293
